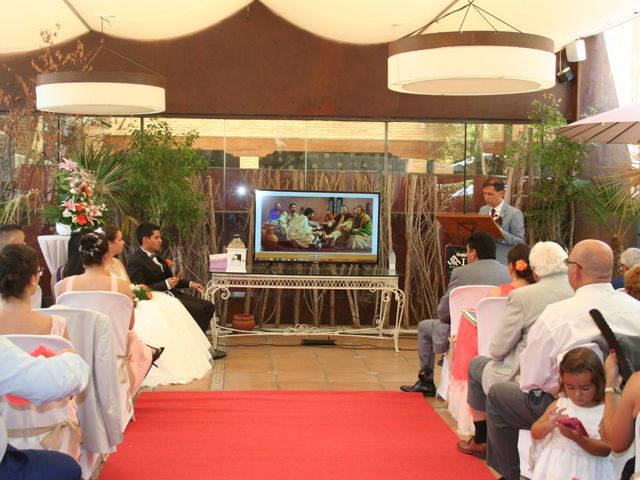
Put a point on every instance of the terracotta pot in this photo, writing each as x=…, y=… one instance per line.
x=269, y=239
x=243, y=321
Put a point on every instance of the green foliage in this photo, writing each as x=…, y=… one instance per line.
x=163, y=178
x=609, y=203
x=554, y=163
x=109, y=173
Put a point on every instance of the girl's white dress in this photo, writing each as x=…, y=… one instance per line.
x=164, y=322
x=557, y=457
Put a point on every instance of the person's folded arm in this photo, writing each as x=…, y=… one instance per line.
x=40, y=379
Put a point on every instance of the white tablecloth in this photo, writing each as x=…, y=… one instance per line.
x=54, y=250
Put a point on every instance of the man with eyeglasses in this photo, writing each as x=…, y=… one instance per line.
x=562, y=326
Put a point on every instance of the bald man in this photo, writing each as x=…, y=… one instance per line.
x=561, y=326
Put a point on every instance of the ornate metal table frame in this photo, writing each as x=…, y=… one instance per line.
x=220, y=283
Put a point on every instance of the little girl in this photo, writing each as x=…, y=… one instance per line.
x=563, y=452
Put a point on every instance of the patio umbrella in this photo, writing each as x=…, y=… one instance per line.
x=620, y=125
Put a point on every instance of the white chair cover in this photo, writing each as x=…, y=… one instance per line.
x=466, y=296
x=56, y=289
x=118, y=308
x=28, y=343
x=489, y=313
x=524, y=446
x=50, y=426
x=99, y=406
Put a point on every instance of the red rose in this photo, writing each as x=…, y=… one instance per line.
x=79, y=207
x=82, y=219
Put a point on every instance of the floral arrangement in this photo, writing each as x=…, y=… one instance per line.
x=140, y=292
x=75, y=203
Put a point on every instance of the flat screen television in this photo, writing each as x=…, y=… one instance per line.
x=305, y=226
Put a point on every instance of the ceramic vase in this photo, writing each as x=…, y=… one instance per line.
x=62, y=229
x=269, y=239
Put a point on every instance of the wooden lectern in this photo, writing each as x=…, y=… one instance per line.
x=458, y=228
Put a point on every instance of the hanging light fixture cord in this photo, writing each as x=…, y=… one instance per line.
x=470, y=3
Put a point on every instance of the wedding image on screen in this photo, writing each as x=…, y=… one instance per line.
x=339, y=227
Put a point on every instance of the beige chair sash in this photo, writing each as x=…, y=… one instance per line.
x=54, y=435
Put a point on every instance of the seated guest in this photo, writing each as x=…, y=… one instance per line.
x=523, y=308
x=146, y=267
x=519, y=271
x=629, y=258
x=467, y=337
x=94, y=252
x=433, y=335
x=560, y=451
x=12, y=234
x=620, y=411
x=74, y=262
x=561, y=326
x=19, y=274
x=163, y=320
x=39, y=380
x=632, y=282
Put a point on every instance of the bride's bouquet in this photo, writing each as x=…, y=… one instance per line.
x=140, y=292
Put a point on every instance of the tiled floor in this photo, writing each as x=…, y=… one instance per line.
x=282, y=363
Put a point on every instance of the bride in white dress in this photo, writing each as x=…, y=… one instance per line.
x=163, y=321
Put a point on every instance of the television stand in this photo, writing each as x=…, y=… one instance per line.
x=387, y=285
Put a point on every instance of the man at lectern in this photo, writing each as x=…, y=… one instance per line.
x=508, y=218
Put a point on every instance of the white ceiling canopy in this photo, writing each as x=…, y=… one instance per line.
x=383, y=21
x=22, y=20
x=351, y=21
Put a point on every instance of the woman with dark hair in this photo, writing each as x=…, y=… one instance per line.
x=74, y=262
x=94, y=252
x=163, y=320
x=519, y=271
x=19, y=276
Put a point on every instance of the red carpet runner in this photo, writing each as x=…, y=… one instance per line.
x=288, y=435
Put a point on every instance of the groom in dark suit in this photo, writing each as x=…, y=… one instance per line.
x=146, y=267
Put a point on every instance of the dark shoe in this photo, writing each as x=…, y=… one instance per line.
x=156, y=355
x=217, y=354
x=470, y=447
x=428, y=389
x=157, y=351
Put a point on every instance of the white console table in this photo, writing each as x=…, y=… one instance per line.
x=387, y=285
